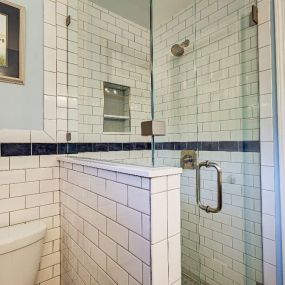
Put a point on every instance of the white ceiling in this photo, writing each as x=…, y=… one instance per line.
x=138, y=11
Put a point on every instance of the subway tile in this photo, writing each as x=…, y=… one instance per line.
x=174, y=258
x=269, y=274
x=49, y=185
x=49, y=161
x=44, y=275
x=173, y=182
x=108, y=246
x=4, y=191
x=158, y=184
x=268, y=202
x=117, y=192
x=129, y=179
x=268, y=226
x=158, y=217
x=139, y=199
x=129, y=218
x=107, y=207
x=23, y=189
x=39, y=199
x=146, y=226
x=13, y=176
x=4, y=163
x=49, y=210
x=269, y=251
x=94, y=218
x=107, y=174
x=173, y=215
x=130, y=263
x=91, y=233
x=79, y=179
x=25, y=215
x=139, y=247
x=12, y=204
x=118, y=233
x=99, y=257
x=39, y=174
x=4, y=220
x=116, y=272
x=49, y=12
x=159, y=260
x=103, y=278
x=23, y=162
x=50, y=260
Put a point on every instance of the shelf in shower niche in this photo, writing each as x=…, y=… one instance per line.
x=115, y=117
x=115, y=95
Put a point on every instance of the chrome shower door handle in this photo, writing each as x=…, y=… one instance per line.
x=208, y=209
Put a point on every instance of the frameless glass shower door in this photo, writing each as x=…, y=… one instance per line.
x=206, y=90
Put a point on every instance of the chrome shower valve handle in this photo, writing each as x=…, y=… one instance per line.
x=206, y=208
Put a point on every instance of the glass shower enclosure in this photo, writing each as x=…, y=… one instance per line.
x=206, y=90
x=192, y=64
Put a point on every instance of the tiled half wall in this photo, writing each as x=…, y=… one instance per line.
x=120, y=224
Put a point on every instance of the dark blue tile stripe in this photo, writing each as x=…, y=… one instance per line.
x=16, y=149
x=44, y=148
x=23, y=149
x=229, y=146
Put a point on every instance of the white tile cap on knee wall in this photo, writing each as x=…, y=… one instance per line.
x=19, y=236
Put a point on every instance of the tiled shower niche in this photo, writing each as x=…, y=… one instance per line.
x=116, y=108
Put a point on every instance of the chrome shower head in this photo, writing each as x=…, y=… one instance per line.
x=179, y=49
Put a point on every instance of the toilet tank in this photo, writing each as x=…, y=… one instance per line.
x=20, y=253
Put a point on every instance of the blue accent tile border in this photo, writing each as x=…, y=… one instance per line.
x=26, y=149
x=44, y=149
x=16, y=149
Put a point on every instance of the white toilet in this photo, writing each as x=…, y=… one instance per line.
x=20, y=253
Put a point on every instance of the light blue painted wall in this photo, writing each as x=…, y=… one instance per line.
x=21, y=106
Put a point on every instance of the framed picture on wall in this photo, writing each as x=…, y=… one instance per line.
x=12, y=42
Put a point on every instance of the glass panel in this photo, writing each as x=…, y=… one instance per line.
x=206, y=90
x=109, y=79
x=175, y=102
x=228, y=134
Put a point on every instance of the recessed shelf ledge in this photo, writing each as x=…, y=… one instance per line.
x=142, y=171
x=115, y=117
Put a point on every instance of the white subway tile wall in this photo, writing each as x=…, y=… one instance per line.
x=225, y=247
x=104, y=47
x=29, y=190
x=109, y=228
x=214, y=85
x=136, y=157
x=268, y=169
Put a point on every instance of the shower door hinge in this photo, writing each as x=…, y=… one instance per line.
x=153, y=128
x=253, y=16
x=68, y=20
x=68, y=137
